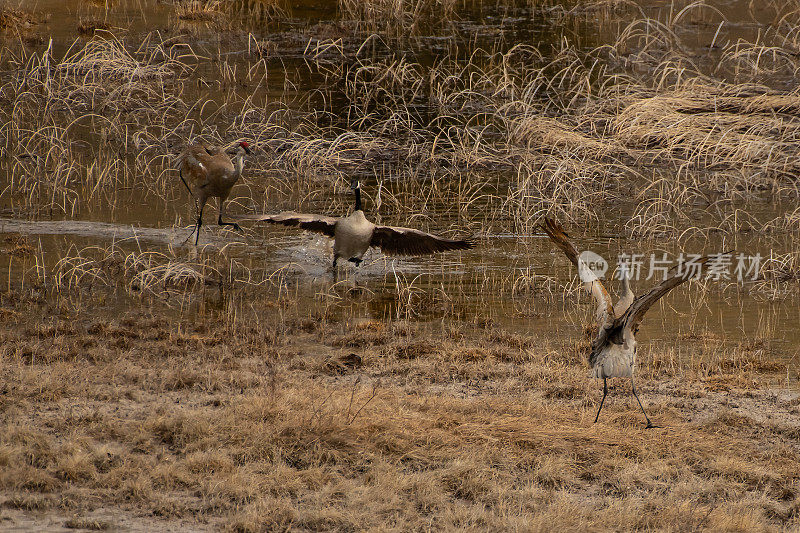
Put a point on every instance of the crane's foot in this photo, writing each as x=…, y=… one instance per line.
x=187, y=238
x=334, y=270
x=650, y=425
x=233, y=225
x=355, y=290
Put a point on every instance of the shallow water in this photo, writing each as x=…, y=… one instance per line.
x=480, y=280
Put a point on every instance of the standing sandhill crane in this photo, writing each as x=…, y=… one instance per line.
x=208, y=171
x=354, y=234
x=613, y=352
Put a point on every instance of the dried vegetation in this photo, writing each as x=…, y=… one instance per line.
x=218, y=388
x=268, y=420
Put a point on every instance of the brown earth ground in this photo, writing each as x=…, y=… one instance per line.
x=154, y=421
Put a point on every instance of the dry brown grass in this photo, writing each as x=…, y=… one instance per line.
x=199, y=10
x=399, y=17
x=338, y=425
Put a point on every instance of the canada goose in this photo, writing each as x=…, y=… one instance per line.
x=354, y=234
x=613, y=352
x=208, y=171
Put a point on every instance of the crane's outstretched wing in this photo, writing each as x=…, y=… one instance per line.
x=605, y=309
x=635, y=313
x=406, y=241
x=316, y=223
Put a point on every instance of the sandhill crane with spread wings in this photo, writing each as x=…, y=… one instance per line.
x=613, y=352
x=207, y=171
x=354, y=234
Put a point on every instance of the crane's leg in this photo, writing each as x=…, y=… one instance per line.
x=196, y=205
x=180, y=173
x=335, y=270
x=221, y=211
x=199, y=221
x=649, y=423
x=605, y=391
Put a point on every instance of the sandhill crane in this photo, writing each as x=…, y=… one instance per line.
x=208, y=171
x=613, y=352
x=354, y=234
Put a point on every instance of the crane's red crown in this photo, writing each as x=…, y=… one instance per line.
x=244, y=144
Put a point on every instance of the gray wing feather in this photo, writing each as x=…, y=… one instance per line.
x=635, y=313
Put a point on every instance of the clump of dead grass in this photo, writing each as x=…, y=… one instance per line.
x=91, y=524
x=199, y=10
x=399, y=17
x=89, y=27
x=778, y=276
x=16, y=20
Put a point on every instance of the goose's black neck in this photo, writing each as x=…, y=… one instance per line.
x=357, y=190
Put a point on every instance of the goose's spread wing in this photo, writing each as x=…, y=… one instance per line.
x=316, y=223
x=635, y=313
x=406, y=241
x=605, y=309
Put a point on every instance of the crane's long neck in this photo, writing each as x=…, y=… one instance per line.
x=358, y=198
x=627, y=296
x=626, y=286
x=238, y=165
